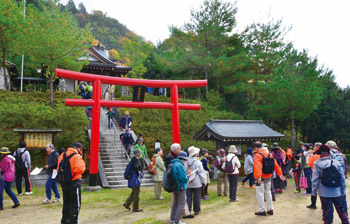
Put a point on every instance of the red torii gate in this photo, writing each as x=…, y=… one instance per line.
x=97, y=103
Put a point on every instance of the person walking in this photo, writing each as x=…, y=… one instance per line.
x=248, y=168
x=143, y=149
x=125, y=121
x=7, y=169
x=222, y=176
x=52, y=161
x=110, y=115
x=158, y=176
x=179, y=195
x=232, y=176
x=72, y=189
x=134, y=196
x=127, y=141
x=263, y=180
x=197, y=180
x=297, y=173
x=23, y=165
x=329, y=196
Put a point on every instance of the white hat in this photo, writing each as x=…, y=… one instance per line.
x=232, y=149
x=193, y=151
x=331, y=144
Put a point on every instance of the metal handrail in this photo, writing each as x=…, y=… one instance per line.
x=115, y=132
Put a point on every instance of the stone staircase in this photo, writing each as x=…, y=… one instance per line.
x=113, y=157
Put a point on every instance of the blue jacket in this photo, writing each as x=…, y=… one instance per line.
x=323, y=191
x=180, y=174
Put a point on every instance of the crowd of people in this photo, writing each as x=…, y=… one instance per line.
x=266, y=169
x=320, y=169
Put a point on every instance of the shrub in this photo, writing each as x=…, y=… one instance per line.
x=156, y=123
x=33, y=110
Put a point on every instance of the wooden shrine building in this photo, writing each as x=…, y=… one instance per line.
x=236, y=132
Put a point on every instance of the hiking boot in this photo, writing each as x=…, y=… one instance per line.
x=46, y=201
x=180, y=222
x=242, y=184
x=1, y=208
x=188, y=217
x=296, y=191
x=260, y=213
x=20, y=194
x=234, y=200
x=56, y=200
x=29, y=193
x=273, y=198
x=127, y=206
x=311, y=206
x=270, y=212
x=253, y=187
x=196, y=213
x=137, y=210
x=219, y=195
x=204, y=198
x=16, y=205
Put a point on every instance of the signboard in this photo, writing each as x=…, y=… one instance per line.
x=37, y=140
x=139, y=94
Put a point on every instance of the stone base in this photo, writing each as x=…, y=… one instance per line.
x=92, y=188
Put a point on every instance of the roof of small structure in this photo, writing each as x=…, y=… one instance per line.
x=99, y=62
x=237, y=130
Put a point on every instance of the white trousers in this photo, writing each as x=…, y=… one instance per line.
x=261, y=191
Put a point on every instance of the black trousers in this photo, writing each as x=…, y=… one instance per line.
x=195, y=195
x=71, y=202
x=232, y=180
x=23, y=173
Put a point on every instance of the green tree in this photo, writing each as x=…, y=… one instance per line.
x=294, y=90
x=11, y=19
x=56, y=41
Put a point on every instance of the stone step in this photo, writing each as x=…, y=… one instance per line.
x=114, y=169
x=121, y=174
x=106, y=165
x=125, y=182
x=113, y=157
x=126, y=185
x=115, y=162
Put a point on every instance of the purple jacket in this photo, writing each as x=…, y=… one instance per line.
x=7, y=167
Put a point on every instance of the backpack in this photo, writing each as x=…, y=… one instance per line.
x=128, y=172
x=169, y=181
x=331, y=176
x=268, y=164
x=64, y=172
x=228, y=167
x=152, y=166
x=338, y=156
x=20, y=164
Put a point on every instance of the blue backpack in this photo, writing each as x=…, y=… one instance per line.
x=64, y=173
x=128, y=171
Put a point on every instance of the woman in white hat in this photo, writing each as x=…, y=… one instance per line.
x=232, y=165
x=197, y=179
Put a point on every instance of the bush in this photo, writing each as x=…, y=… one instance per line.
x=347, y=158
x=33, y=110
x=156, y=124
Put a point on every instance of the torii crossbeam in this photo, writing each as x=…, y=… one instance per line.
x=97, y=103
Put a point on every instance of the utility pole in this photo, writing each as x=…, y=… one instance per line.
x=24, y=16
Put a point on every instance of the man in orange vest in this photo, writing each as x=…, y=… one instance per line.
x=72, y=189
x=263, y=180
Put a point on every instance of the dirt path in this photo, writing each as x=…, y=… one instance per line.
x=106, y=207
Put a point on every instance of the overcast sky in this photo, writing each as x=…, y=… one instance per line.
x=320, y=26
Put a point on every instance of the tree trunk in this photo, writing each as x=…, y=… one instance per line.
x=293, y=131
x=5, y=68
x=51, y=89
